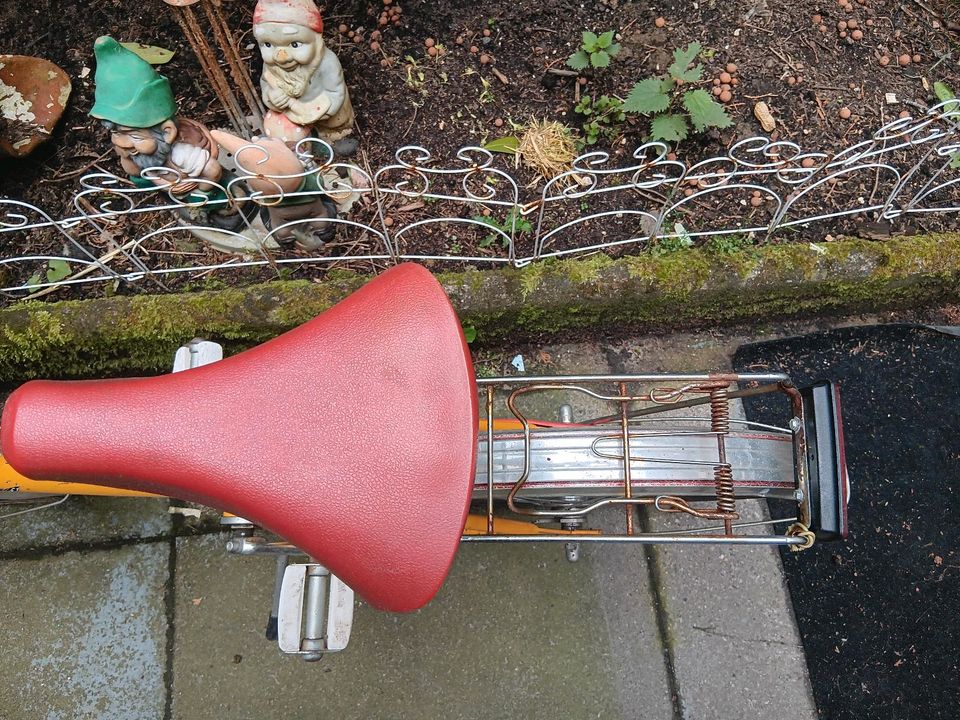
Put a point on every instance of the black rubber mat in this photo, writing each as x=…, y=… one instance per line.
x=880, y=613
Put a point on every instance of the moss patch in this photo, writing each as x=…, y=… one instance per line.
x=124, y=335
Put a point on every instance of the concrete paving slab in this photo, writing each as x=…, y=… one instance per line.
x=83, y=521
x=734, y=643
x=84, y=635
x=559, y=359
x=734, y=646
x=515, y=631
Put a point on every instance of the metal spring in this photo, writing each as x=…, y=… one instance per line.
x=720, y=410
x=726, y=499
x=722, y=473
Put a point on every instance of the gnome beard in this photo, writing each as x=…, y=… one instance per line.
x=294, y=82
x=159, y=157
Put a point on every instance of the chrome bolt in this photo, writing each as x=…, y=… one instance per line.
x=795, y=424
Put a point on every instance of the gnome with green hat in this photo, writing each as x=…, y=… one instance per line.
x=135, y=103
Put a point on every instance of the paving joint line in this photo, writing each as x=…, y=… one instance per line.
x=657, y=582
x=38, y=553
x=170, y=610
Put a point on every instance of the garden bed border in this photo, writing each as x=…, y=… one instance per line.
x=695, y=287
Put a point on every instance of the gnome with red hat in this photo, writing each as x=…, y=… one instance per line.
x=302, y=81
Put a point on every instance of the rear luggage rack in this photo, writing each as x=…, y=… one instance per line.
x=645, y=452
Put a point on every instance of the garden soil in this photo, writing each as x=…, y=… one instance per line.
x=878, y=612
x=498, y=65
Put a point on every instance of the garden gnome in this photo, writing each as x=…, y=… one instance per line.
x=135, y=103
x=301, y=217
x=302, y=81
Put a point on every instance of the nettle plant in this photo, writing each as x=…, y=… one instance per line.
x=675, y=109
x=601, y=117
x=513, y=225
x=595, y=51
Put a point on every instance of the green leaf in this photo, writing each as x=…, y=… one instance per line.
x=592, y=129
x=486, y=220
x=469, y=333
x=589, y=40
x=682, y=58
x=669, y=128
x=955, y=161
x=943, y=91
x=507, y=145
x=579, y=60
x=945, y=94
x=705, y=111
x=605, y=40
x=151, y=53
x=691, y=76
x=57, y=270
x=646, y=97
x=516, y=221
x=613, y=49
x=33, y=280
x=600, y=59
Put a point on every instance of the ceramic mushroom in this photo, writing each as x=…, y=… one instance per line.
x=33, y=95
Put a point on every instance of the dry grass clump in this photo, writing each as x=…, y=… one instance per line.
x=547, y=148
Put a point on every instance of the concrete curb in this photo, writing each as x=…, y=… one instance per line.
x=688, y=288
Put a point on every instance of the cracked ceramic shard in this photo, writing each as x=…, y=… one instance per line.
x=33, y=95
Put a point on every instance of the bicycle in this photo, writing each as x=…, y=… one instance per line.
x=375, y=404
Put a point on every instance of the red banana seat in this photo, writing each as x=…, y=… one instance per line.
x=353, y=436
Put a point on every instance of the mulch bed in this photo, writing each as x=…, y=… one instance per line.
x=493, y=68
x=877, y=612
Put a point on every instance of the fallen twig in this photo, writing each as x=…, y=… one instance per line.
x=412, y=121
x=75, y=173
x=783, y=57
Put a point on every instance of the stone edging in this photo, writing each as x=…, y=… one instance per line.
x=695, y=287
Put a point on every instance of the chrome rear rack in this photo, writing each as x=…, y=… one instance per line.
x=652, y=448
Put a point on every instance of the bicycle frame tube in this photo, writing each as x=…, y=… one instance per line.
x=13, y=482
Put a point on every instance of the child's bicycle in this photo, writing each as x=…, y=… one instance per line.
x=363, y=440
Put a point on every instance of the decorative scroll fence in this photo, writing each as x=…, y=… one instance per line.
x=419, y=208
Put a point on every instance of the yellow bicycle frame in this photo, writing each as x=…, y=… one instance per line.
x=12, y=481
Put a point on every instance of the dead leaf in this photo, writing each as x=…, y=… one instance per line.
x=151, y=53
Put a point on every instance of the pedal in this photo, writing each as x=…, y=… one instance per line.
x=315, y=614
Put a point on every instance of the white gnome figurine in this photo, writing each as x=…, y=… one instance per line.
x=302, y=81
